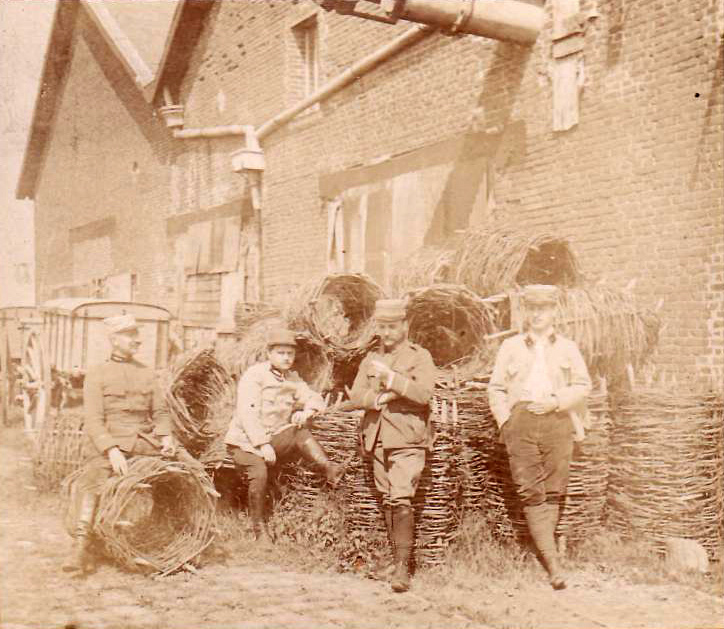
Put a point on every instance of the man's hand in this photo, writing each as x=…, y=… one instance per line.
x=118, y=461
x=268, y=453
x=168, y=446
x=382, y=371
x=549, y=405
x=386, y=397
x=300, y=418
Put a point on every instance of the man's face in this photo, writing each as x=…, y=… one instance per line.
x=282, y=356
x=126, y=343
x=392, y=333
x=540, y=316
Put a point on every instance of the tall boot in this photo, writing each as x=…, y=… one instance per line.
x=79, y=559
x=384, y=567
x=313, y=452
x=403, y=534
x=256, y=498
x=541, y=527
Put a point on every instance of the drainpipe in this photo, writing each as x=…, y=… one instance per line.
x=249, y=160
x=519, y=21
x=361, y=67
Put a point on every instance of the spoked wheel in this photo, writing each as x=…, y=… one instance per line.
x=7, y=380
x=36, y=384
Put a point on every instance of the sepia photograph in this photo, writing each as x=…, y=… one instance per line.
x=361, y=314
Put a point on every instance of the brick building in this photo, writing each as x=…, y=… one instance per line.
x=608, y=129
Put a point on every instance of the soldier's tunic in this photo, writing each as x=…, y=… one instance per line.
x=266, y=400
x=397, y=434
x=124, y=407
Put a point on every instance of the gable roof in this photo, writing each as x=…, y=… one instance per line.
x=134, y=32
x=183, y=35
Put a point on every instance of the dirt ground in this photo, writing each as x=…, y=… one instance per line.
x=239, y=591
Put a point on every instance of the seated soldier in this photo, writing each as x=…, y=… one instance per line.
x=272, y=409
x=125, y=414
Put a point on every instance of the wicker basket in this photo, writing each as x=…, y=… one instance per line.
x=666, y=466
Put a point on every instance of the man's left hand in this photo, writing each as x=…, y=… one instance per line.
x=300, y=418
x=549, y=405
x=168, y=446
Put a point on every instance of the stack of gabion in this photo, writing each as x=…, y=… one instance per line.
x=437, y=498
x=59, y=449
x=666, y=463
x=193, y=385
x=491, y=488
x=158, y=517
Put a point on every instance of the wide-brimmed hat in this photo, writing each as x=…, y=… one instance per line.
x=540, y=294
x=121, y=323
x=281, y=336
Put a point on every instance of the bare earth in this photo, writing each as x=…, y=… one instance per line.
x=238, y=593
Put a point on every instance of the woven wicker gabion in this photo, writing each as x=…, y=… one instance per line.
x=489, y=487
x=438, y=495
x=59, y=449
x=666, y=466
x=192, y=385
x=158, y=517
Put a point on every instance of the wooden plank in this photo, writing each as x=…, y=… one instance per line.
x=567, y=63
x=565, y=92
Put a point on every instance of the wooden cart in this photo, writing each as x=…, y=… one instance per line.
x=15, y=324
x=67, y=338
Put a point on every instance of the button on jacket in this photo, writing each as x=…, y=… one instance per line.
x=404, y=422
x=123, y=400
x=265, y=402
x=565, y=368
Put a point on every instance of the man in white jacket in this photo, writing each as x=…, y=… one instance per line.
x=537, y=392
x=273, y=407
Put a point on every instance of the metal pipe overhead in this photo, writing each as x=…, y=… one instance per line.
x=358, y=69
x=518, y=21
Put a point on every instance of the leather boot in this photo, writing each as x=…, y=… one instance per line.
x=79, y=559
x=541, y=527
x=384, y=567
x=403, y=532
x=256, y=513
x=313, y=453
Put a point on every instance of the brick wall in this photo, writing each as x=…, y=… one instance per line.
x=636, y=185
x=107, y=157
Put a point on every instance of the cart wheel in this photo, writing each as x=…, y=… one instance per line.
x=6, y=381
x=36, y=384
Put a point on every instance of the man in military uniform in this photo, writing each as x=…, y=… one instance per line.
x=269, y=424
x=394, y=385
x=125, y=414
x=537, y=394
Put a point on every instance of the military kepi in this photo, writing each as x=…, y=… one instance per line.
x=281, y=336
x=390, y=310
x=121, y=323
x=540, y=294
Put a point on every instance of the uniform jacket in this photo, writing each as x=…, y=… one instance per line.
x=265, y=402
x=123, y=400
x=404, y=422
x=566, y=369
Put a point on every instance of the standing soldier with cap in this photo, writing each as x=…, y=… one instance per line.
x=394, y=385
x=272, y=409
x=124, y=414
x=537, y=395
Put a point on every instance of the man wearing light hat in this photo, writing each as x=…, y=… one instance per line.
x=125, y=414
x=394, y=385
x=273, y=407
x=537, y=392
